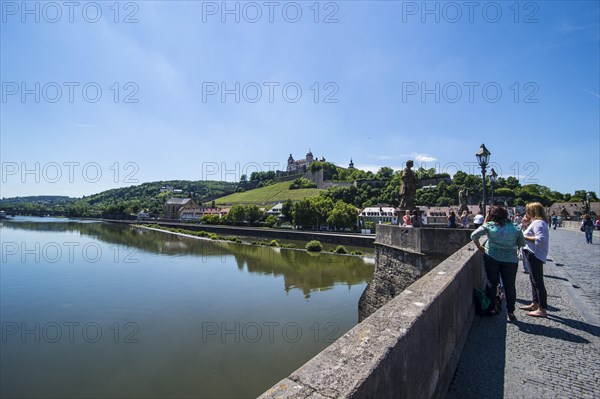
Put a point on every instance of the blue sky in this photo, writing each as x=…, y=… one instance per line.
x=380, y=82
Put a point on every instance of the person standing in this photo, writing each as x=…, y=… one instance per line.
x=536, y=250
x=518, y=219
x=452, y=220
x=415, y=219
x=524, y=225
x=406, y=219
x=464, y=220
x=478, y=220
x=588, y=228
x=500, y=256
x=554, y=219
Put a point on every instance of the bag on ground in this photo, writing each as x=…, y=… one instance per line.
x=482, y=302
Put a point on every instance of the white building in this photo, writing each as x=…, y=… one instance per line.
x=378, y=214
x=276, y=210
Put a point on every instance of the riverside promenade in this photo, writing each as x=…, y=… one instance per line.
x=557, y=357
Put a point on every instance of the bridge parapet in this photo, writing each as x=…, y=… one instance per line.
x=409, y=348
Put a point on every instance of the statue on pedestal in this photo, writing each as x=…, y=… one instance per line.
x=408, y=188
x=463, y=199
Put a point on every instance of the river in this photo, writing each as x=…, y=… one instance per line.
x=92, y=309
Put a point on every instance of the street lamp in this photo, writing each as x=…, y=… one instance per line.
x=483, y=157
x=587, y=203
x=493, y=178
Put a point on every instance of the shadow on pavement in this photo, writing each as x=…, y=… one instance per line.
x=480, y=373
x=556, y=278
x=577, y=325
x=550, y=332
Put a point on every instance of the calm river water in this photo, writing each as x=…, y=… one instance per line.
x=91, y=309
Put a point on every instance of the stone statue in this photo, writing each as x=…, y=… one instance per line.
x=408, y=188
x=463, y=199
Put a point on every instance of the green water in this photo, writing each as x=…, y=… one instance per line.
x=90, y=309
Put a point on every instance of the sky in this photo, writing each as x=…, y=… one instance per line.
x=100, y=95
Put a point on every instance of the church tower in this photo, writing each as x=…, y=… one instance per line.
x=309, y=157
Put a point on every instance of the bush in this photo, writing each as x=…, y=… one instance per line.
x=289, y=245
x=314, y=246
x=274, y=243
x=356, y=253
x=340, y=249
x=270, y=221
x=302, y=182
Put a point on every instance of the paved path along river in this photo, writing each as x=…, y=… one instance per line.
x=541, y=358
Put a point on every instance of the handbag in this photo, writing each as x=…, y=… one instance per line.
x=582, y=228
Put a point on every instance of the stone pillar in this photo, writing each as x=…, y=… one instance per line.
x=402, y=256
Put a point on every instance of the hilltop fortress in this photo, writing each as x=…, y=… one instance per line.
x=301, y=165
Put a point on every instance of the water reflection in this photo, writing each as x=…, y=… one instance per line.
x=301, y=270
x=177, y=288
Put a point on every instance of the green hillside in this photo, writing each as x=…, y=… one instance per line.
x=272, y=194
x=119, y=202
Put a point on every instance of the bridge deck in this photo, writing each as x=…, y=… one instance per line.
x=535, y=358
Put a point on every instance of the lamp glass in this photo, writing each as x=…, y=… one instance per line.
x=483, y=156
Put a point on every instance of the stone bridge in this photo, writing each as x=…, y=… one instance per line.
x=416, y=314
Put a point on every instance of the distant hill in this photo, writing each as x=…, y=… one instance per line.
x=268, y=195
x=39, y=199
x=118, y=202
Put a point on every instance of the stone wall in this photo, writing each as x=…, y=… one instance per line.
x=409, y=348
x=402, y=256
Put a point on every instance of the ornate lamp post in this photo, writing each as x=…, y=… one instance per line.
x=483, y=157
x=587, y=203
x=493, y=178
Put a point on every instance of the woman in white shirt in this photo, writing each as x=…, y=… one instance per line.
x=536, y=251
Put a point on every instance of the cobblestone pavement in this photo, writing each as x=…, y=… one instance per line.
x=557, y=357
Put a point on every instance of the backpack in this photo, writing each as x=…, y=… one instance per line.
x=482, y=302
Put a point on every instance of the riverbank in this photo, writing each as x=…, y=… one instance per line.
x=337, y=238
x=201, y=235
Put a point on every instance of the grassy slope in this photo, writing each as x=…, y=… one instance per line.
x=278, y=192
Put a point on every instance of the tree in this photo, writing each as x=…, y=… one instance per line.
x=512, y=182
x=385, y=173
x=303, y=214
x=287, y=209
x=270, y=221
x=236, y=215
x=253, y=214
x=321, y=207
x=343, y=216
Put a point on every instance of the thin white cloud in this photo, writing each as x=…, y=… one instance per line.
x=592, y=93
x=567, y=28
x=419, y=157
x=416, y=156
x=425, y=158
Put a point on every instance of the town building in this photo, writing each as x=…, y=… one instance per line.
x=195, y=214
x=276, y=210
x=378, y=214
x=175, y=206
x=573, y=210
